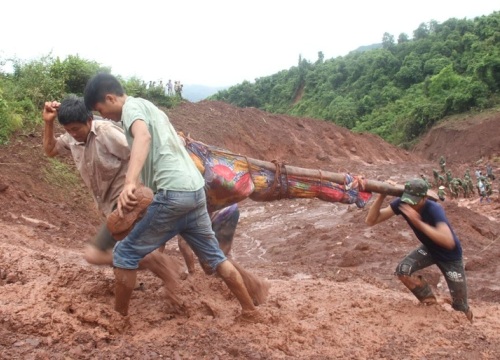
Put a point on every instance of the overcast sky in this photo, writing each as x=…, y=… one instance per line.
x=211, y=42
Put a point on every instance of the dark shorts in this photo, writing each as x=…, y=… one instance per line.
x=103, y=240
x=453, y=272
x=224, y=224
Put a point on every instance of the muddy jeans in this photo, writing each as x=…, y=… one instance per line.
x=453, y=272
x=171, y=213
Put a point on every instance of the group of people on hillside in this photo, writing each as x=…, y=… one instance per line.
x=115, y=162
x=170, y=89
x=444, y=180
x=177, y=87
x=484, y=183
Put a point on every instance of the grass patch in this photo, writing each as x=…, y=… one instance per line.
x=60, y=174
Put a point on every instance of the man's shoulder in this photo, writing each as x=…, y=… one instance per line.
x=134, y=104
x=105, y=125
x=394, y=205
x=433, y=206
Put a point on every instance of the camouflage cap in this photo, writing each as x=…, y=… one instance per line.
x=415, y=190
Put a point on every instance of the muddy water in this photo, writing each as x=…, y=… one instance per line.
x=264, y=225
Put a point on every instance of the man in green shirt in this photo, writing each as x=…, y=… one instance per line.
x=179, y=204
x=100, y=152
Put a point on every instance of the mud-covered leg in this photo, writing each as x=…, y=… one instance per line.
x=419, y=287
x=235, y=283
x=187, y=254
x=454, y=273
x=124, y=285
x=416, y=260
x=167, y=269
x=257, y=288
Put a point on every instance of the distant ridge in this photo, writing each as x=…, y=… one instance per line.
x=368, y=47
x=195, y=93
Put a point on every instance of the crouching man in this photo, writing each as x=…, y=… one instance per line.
x=440, y=245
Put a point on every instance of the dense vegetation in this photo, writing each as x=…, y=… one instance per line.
x=398, y=90
x=24, y=90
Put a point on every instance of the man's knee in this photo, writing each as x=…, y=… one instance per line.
x=96, y=256
x=403, y=269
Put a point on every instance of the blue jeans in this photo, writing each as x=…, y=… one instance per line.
x=171, y=213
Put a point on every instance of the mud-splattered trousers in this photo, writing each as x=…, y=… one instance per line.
x=453, y=272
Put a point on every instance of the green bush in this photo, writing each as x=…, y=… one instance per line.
x=9, y=121
x=24, y=91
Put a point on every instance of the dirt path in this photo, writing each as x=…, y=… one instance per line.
x=333, y=293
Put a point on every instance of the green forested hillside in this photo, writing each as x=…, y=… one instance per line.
x=397, y=91
x=24, y=90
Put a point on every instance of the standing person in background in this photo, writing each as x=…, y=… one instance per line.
x=482, y=190
x=440, y=245
x=178, y=89
x=437, y=182
x=170, y=88
x=489, y=172
x=442, y=163
x=179, y=204
x=449, y=178
x=441, y=193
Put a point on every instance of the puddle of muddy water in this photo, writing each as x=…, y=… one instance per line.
x=266, y=225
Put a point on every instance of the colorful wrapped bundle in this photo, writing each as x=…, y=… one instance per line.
x=231, y=178
x=227, y=180
x=290, y=186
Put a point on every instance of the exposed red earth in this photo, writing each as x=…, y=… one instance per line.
x=333, y=293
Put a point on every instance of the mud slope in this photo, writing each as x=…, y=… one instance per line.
x=463, y=139
x=333, y=294
x=303, y=141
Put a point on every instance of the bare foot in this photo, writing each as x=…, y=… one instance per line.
x=119, y=324
x=470, y=315
x=252, y=317
x=173, y=304
x=431, y=300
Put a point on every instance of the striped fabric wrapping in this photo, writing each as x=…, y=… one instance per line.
x=231, y=178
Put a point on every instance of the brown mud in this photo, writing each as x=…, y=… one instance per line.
x=333, y=294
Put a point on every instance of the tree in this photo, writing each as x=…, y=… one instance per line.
x=403, y=38
x=321, y=57
x=411, y=72
x=387, y=41
x=78, y=71
x=421, y=32
x=342, y=111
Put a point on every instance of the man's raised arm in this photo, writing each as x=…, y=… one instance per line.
x=375, y=215
x=49, y=115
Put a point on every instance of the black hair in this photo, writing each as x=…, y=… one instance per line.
x=99, y=86
x=73, y=110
